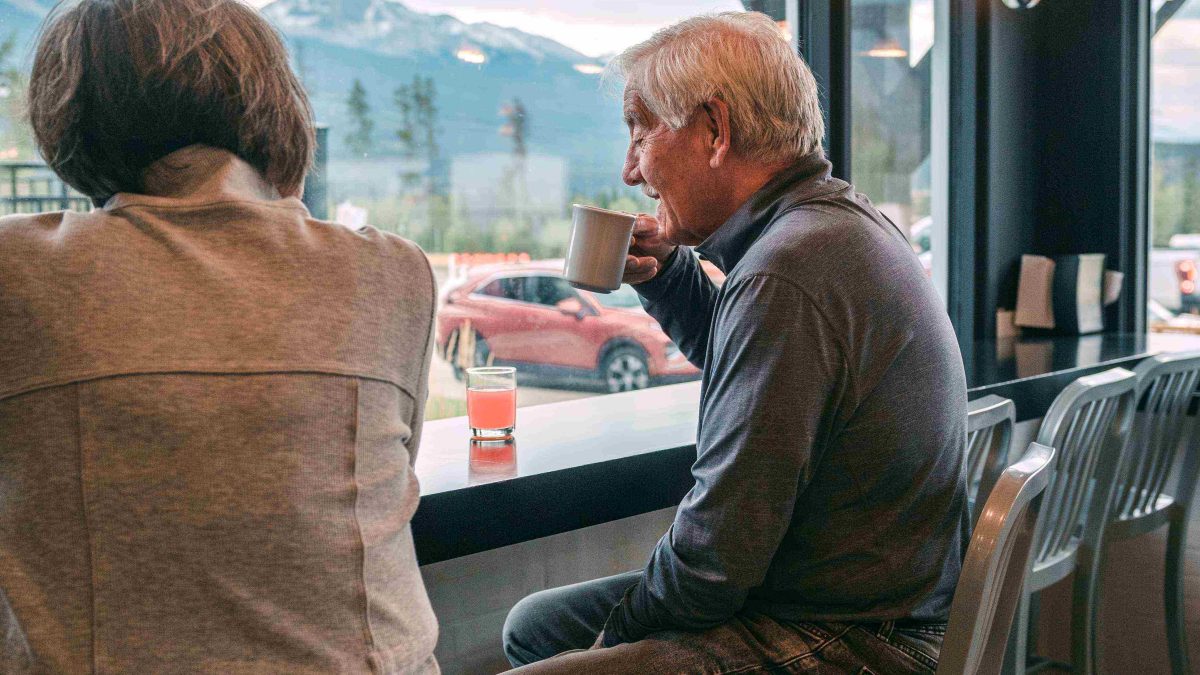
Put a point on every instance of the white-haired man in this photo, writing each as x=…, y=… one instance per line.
x=827, y=524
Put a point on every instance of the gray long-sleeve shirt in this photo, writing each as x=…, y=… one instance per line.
x=829, y=477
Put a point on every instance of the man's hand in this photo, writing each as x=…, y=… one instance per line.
x=647, y=252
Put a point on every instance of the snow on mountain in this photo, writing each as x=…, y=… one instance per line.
x=389, y=27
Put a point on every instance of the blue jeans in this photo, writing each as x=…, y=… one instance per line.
x=568, y=619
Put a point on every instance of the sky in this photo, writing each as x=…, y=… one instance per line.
x=600, y=27
x=1176, y=61
x=592, y=27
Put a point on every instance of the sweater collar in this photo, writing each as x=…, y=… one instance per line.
x=198, y=175
x=807, y=178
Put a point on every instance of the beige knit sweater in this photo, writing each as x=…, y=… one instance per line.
x=209, y=412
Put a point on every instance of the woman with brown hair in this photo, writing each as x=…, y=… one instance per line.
x=210, y=402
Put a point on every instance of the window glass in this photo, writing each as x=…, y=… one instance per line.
x=622, y=298
x=892, y=52
x=551, y=290
x=1174, y=302
x=494, y=289
x=468, y=126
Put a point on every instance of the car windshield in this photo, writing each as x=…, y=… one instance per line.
x=622, y=298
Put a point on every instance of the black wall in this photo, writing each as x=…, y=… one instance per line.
x=1063, y=145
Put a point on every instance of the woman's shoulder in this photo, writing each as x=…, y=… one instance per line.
x=24, y=226
x=396, y=260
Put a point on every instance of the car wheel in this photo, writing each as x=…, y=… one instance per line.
x=482, y=356
x=624, y=369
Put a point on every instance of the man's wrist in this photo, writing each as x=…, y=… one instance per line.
x=666, y=262
x=650, y=286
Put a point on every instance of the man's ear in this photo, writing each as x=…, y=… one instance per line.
x=716, y=119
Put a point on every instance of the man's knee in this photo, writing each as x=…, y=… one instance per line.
x=520, y=630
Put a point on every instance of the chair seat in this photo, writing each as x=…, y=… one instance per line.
x=1049, y=572
x=1141, y=522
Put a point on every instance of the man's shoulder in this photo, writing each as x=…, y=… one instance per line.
x=826, y=240
x=803, y=239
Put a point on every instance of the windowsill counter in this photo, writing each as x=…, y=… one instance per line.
x=589, y=461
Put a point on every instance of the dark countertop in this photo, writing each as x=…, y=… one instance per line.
x=589, y=461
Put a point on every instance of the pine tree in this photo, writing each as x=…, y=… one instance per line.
x=417, y=105
x=362, y=126
x=418, y=131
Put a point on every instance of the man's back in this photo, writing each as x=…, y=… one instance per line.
x=829, y=479
x=879, y=528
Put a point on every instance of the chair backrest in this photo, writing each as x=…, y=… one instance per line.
x=990, y=423
x=993, y=574
x=1166, y=387
x=1087, y=425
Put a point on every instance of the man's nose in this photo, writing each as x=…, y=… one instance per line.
x=630, y=173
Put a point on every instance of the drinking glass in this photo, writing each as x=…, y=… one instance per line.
x=492, y=402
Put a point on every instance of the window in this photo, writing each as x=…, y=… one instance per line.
x=1174, y=165
x=622, y=298
x=552, y=290
x=469, y=127
x=507, y=288
x=894, y=158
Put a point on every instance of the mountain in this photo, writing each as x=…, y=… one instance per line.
x=20, y=19
x=384, y=44
x=389, y=27
x=477, y=70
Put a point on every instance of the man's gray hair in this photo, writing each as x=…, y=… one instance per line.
x=741, y=58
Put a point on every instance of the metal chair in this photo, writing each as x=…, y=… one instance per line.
x=1166, y=388
x=1087, y=424
x=990, y=423
x=994, y=571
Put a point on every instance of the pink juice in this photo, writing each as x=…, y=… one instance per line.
x=492, y=408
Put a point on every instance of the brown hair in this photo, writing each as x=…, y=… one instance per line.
x=119, y=84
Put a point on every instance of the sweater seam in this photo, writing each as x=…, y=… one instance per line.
x=87, y=523
x=368, y=633
x=32, y=385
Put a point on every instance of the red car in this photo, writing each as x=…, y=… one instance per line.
x=528, y=316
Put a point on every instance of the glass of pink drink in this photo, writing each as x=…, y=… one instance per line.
x=492, y=402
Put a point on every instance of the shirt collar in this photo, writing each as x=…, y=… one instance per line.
x=200, y=174
x=807, y=178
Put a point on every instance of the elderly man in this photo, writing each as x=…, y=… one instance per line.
x=827, y=524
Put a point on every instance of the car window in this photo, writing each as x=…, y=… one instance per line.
x=622, y=298
x=550, y=291
x=509, y=288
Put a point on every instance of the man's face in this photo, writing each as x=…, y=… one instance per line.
x=672, y=167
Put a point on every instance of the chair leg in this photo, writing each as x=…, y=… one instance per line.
x=1173, y=591
x=1085, y=653
x=1016, y=654
x=1035, y=619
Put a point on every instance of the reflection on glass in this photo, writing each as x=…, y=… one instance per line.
x=490, y=461
x=1174, y=167
x=892, y=51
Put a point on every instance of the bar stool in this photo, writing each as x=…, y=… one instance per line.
x=994, y=570
x=1166, y=388
x=990, y=423
x=1088, y=424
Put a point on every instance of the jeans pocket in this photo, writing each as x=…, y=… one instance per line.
x=921, y=643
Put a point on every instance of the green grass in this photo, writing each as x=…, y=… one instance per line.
x=440, y=407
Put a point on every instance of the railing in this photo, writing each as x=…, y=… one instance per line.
x=31, y=187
